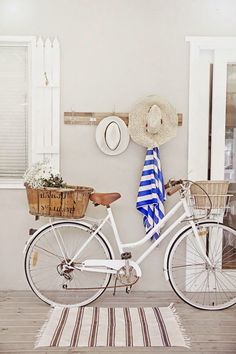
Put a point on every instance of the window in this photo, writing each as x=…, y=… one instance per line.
x=29, y=106
x=13, y=112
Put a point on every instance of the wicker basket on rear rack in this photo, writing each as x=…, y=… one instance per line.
x=69, y=202
x=216, y=191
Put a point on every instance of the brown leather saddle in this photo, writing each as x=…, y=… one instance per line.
x=104, y=198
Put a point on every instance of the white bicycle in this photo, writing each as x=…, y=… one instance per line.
x=71, y=262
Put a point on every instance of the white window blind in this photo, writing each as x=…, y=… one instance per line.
x=13, y=111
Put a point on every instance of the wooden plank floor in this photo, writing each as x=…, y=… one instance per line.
x=22, y=315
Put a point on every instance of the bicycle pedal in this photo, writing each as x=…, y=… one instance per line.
x=126, y=255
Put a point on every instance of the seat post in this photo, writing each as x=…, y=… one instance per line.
x=114, y=228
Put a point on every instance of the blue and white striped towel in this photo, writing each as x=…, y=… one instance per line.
x=151, y=194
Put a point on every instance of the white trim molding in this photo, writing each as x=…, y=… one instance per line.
x=203, y=52
x=212, y=43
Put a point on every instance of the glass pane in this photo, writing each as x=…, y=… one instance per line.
x=230, y=156
x=13, y=111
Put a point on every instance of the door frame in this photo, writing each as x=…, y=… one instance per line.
x=220, y=49
x=206, y=85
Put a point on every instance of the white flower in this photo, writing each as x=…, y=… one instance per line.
x=38, y=172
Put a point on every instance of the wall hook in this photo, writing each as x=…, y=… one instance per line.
x=46, y=79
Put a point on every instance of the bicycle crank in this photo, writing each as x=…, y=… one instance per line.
x=127, y=276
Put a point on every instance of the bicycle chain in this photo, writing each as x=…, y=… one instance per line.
x=106, y=287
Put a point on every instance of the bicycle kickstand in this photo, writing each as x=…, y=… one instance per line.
x=128, y=289
x=114, y=291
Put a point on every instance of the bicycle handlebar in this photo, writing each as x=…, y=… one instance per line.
x=173, y=186
x=173, y=190
x=173, y=183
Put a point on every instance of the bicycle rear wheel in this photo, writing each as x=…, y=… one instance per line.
x=45, y=265
x=193, y=280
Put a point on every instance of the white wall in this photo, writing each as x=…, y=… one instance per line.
x=114, y=52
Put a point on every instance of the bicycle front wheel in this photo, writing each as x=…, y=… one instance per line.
x=46, y=260
x=193, y=279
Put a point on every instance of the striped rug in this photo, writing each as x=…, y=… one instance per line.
x=112, y=327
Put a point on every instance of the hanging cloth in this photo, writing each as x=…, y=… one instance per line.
x=151, y=194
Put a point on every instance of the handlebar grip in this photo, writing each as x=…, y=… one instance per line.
x=172, y=190
x=173, y=183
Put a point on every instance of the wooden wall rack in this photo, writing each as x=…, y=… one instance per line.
x=93, y=118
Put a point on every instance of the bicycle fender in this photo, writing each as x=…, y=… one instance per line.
x=84, y=224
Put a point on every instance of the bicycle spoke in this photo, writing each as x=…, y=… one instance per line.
x=47, y=271
x=199, y=290
x=49, y=252
x=188, y=265
x=197, y=282
x=225, y=276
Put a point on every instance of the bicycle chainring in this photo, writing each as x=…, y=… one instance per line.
x=127, y=275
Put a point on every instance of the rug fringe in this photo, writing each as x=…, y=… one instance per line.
x=187, y=339
x=41, y=330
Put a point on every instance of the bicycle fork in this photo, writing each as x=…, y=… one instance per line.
x=198, y=239
x=196, y=233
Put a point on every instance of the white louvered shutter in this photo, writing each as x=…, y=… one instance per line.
x=46, y=101
x=13, y=111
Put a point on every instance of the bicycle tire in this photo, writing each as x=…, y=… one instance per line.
x=42, y=265
x=219, y=282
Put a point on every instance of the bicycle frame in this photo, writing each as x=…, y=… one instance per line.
x=126, y=246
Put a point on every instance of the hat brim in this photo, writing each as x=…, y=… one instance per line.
x=116, y=144
x=138, y=122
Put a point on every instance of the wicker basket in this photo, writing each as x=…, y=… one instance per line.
x=216, y=190
x=69, y=202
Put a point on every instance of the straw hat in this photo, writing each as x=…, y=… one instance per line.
x=152, y=122
x=112, y=135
